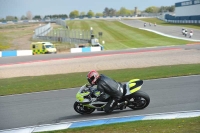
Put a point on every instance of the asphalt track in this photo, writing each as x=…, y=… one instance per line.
x=38, y=58
x=175, y=31
x=167, y=95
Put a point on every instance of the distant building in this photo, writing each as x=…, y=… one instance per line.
x=186, y=10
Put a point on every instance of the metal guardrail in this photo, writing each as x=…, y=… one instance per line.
x=184, y=21
x=47, y=33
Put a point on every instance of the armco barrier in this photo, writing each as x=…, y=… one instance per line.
x=85, y=49
x=11, y=53
x=24, y=52
x=96, y=48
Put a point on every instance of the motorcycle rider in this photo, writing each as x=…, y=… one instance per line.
x=108, y=86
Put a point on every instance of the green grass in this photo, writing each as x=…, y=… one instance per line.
x=4, y=42
x=60, y=81
x=10, y=32
x=160, y=22
x=186, y=125
x=119, y=36
x=14, y=26
x=115, y=34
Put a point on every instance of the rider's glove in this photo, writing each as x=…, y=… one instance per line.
x=93, y=99
x=88, y=86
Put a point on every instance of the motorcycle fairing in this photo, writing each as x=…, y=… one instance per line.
x=81, y=93
x=97, y=93
x=134, y=85
x=80, y=97
x=97, y=104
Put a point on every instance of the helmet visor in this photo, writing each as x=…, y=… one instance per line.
x=91, y=79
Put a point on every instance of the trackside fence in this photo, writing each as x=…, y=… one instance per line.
x=184, y=21
x=47, y=33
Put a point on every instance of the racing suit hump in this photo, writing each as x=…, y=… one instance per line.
x=110, y=87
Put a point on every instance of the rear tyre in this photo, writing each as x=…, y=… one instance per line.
x=138, y=100
x=79, y=108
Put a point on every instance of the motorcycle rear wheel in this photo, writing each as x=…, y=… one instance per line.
x=79, y=108
x=138, y=100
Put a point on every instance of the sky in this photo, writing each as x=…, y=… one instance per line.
x=51, y=7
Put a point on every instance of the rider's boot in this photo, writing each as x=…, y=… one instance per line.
x=122, y=105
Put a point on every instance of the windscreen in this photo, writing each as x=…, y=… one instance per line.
x=49, y=46
x=83, y=88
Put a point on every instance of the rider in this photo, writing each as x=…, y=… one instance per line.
x=108, y=86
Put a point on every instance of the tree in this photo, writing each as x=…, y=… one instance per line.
x=162, y=9
x=54, y=16
x=99, y=14
x=123, y=11
x=74, y=14
x=106, y=12
x=112, y=12
x=29, y=15
x=10, y=18
x=64, y=16
x=90, y=13
x=24, y=17
x=109, y=12
x=152, y=9
x=37, y=17
x=16, y=18
x=128, y=12
x=48, y=17
x=171, y=8
x=167, y=9
x=2, y=20
x=82, y=14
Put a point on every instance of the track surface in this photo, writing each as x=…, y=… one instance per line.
x=169, y=30
x=105, y=60
x=167, y=95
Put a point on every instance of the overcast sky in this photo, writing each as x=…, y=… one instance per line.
x=50, y=7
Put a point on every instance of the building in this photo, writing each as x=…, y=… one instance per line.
x=185, y=12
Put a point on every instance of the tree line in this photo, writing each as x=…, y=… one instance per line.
x=107, y=12
x=154, y=9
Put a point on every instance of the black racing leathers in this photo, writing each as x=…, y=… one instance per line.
x=109, y=86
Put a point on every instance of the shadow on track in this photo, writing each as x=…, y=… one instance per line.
x=95, y=115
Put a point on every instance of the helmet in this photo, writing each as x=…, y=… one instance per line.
x=92, y=77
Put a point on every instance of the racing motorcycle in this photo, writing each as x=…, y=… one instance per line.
x=133, y=98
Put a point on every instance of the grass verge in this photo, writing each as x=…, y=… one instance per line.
x=116, y=35
x=186, y=125
x=9, y=34
x=119, y=36
x=55, y=82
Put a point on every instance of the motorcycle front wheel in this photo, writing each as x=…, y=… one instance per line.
x=138, y=100
x=79, y=108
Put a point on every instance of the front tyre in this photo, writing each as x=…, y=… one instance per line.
x=79, y=108
x=138, y=100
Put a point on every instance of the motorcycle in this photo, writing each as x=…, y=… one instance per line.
x=133, y=98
